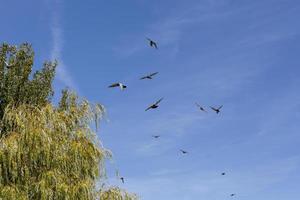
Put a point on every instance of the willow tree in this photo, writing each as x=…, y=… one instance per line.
x=46, y=151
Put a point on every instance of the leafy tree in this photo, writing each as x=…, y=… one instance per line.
x=115, y=193
x=46, y=151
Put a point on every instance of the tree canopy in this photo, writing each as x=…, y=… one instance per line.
x=47, y=151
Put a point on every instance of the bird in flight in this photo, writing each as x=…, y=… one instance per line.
x=121, y=85
x=156, y=136
x=200, y=107
x=149, y=76
x=152, y=43
x=122, y=179
x=232, y=195
x=183, y=152
x=155, y=105
x=7, y=65
x=217, y=110
x=223, y=174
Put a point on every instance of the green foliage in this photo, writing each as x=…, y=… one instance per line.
x=115, y=193
x=46, y=152
x=16, y=87
x=50, y=153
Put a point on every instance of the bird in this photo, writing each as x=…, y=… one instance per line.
x=149, y=76
x=122, y=179
x=184, y=152
x=155, y=105
x=7, y=65
x=232, y=195
x=201, y=108
x=156, y=136
x=217, y=110
x=152, y=43
x=121, y=85
x=223, y=174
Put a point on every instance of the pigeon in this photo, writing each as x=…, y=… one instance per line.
x=217, y=110
x=232, y=195
x=152, y=43
x=201, y=108
x=156, y=136
x=155, y=105
x=149, y=76
x=122, y=179
x=7, y=65
x=184, y=152
x=121, y=85
x=223, y=174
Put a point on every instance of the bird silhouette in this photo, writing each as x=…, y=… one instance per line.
x=183, y=152
x=217, y=110
x=156, y=136
x=149, y=76
x=223, y=174
x=232, y=195
x=121, y=85
x=122, y=179
x=152, y=43
x=200, y=107
x=155, y=105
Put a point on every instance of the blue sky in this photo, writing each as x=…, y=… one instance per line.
x=240, y=54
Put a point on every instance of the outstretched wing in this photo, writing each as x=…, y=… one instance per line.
x=213, y=108
x=144, y=77
x=153, y=74
x=148, y=108
x=220, y=107
x=114, y=85
x=155, y=45
x=159, y=101
x=8, y=65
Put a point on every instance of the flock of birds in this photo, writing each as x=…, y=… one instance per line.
x=155, y=105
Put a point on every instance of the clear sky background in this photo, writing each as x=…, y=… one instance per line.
x=240, y=54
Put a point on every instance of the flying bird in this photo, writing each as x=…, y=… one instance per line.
x=232, y=195
x=183, y=152
x=155, y=105
x=217, y=110
x=122, y=179
x=121, y=85
x=7, y=65
x=200, y=107
x=156, y=136
x=152, y=43
x=223, y=174
x=149, y=76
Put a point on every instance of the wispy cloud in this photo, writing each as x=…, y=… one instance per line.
x=63, y=74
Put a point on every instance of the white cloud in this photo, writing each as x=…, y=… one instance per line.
x=63, y=74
